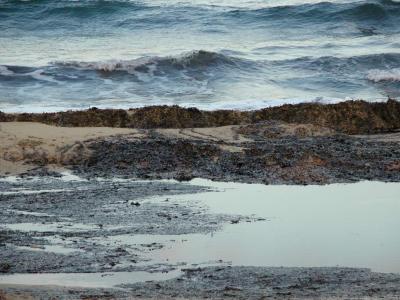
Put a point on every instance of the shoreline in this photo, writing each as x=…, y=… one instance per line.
x=307, y=145
x=268, y=153
x=291, y=144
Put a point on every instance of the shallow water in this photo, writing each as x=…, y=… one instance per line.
x=51, y=227
x=86, y=280
x=346, y=225
x=56, y=55
x=50, y=248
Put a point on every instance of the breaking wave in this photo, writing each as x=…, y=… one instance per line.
x=194, y=59
x=380, y=67
x=376, y=75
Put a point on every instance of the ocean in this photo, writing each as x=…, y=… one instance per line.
x=227, y=54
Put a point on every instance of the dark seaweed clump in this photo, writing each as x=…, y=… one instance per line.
x=350, y=117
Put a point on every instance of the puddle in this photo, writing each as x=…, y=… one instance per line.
x=352, y=225
x=28, y=192
x=69, y=176
x=50, y=248
x=87, y=280
x=348, y=225
x=10, y=179
x=51, y=227
x=30, y=213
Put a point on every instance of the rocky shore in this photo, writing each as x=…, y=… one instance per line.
x=291, y=144
x=51, y=224
x=280, y=160
x=240, y=283
x=73, y=232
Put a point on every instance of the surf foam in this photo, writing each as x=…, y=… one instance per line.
x=376, y=75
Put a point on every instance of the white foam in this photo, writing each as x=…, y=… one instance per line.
x=184, y=59
x=10, y=179
x=5, y=71
x=259, y=104
x=108, y=65
x=376, y=75
x=208, y=106
x=38, y=75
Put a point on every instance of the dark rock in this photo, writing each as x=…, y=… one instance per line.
x=4, y=267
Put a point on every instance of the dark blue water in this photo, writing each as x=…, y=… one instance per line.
x=211, y=54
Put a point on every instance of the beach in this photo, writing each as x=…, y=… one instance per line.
x=316, y=144
x=199, y=149
x=70, y=193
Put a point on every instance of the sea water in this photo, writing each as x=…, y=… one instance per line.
x=236, y=54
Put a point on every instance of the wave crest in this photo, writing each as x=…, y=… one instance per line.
x=376, y=75
x=194, y=59
x=5, y=71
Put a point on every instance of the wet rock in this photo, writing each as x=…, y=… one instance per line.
x=275, y=283
x=184, y=176
x=284, y=160
x=82, y=221
x=232, y=288
x=4, y=267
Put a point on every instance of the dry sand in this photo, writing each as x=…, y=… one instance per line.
x=21, y=141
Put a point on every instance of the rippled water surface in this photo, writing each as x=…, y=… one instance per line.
x=205, y=53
